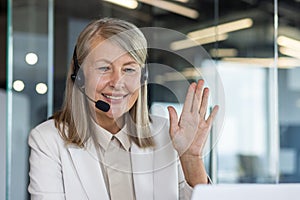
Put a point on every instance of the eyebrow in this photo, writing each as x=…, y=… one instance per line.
x=109, y=62
x=131, y=62
x=102, y=60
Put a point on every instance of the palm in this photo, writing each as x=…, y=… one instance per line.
x=190, y=132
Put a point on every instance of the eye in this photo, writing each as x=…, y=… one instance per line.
x=130, y=70
x=103, y=69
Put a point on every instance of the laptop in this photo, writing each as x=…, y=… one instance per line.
x=247, y=192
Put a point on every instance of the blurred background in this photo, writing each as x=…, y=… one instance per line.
x=253, y=45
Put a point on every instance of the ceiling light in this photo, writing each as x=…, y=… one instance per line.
x=283, y=62
x=172, y=7
x=191, y=42
x=211, y=34
x=188, y=73
x=222, y=28
x=31, y=58
x=41, y=88
x=290, y=52
x=18, y=85
x=225, y=52
x=182, y=1
x=288, y=42
x=130, y=4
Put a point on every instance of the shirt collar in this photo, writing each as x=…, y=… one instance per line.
x=123, y=137
x=103, y=137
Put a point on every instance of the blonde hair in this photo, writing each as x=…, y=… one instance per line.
x=73, y=121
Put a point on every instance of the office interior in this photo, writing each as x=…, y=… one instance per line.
x=248, y=51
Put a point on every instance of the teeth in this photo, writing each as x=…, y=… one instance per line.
x=114, y=97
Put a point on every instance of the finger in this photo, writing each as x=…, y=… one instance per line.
x=173, y=120
x=189, y=98
x=212, y=115
x=198, y=96
x=204, y=103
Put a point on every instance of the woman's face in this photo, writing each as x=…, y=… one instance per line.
x=113, y=76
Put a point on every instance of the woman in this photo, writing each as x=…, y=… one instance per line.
x=103, y=144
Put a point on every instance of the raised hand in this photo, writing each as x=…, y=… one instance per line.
x=190, y=131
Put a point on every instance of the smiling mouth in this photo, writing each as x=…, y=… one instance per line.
x=114, y=97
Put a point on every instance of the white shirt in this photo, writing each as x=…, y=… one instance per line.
x=115, y=162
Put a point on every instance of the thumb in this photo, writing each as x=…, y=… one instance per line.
x=173, y=120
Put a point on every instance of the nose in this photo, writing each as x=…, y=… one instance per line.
x=116, y=79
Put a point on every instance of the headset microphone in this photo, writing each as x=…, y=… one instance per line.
x=101, y=105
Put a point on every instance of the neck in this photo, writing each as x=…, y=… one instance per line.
x=110, y=124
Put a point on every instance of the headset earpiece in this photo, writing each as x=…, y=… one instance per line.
x=79, y=81
x=77, y=76
x=144, y=74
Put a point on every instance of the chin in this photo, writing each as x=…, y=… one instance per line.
x=116, y=113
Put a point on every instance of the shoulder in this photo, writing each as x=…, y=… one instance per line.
x=49, y=124
x=158, y=122
x=46, y=128
x=45, y=133
x=160, y=130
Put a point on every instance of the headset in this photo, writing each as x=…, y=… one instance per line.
x=78, y=78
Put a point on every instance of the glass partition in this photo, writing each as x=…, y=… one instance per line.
x=248, y=149
x=29, y=84
x=288, y=42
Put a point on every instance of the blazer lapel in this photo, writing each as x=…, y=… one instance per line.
x=87, y=165
x=142, y=168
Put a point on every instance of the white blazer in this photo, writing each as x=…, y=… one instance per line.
x=59, y=171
